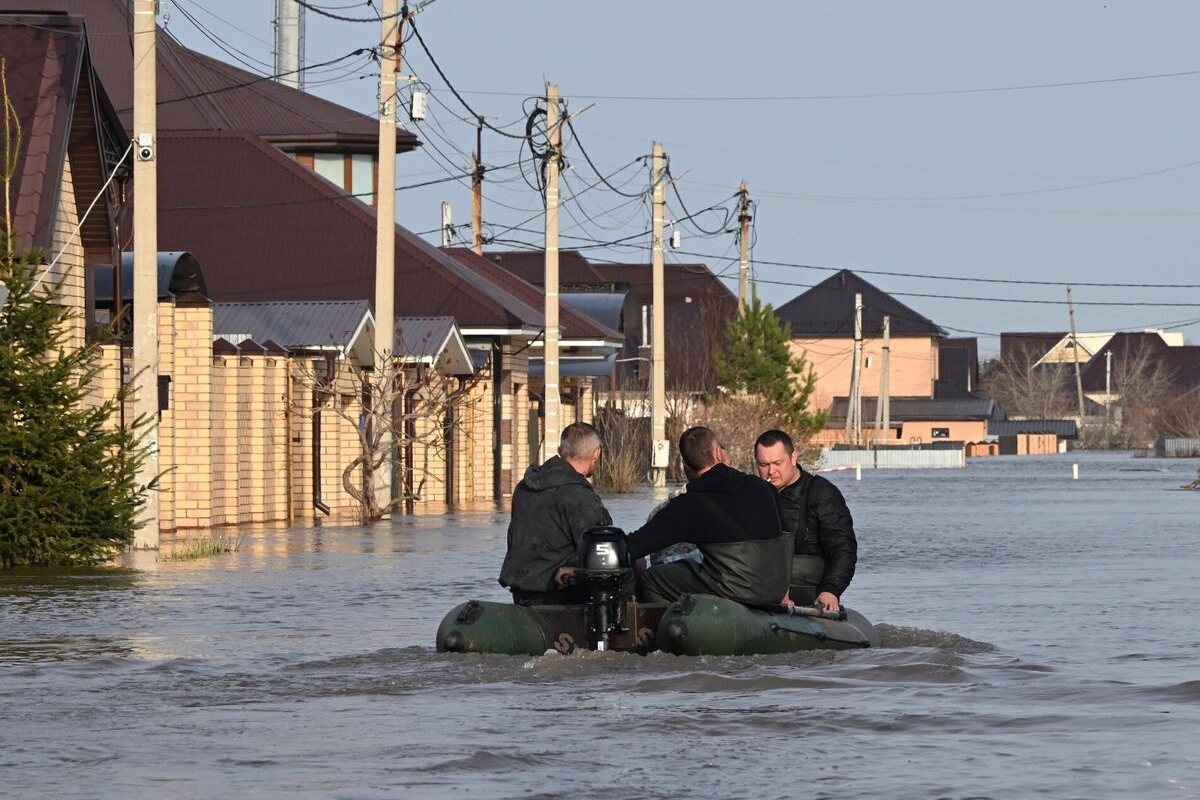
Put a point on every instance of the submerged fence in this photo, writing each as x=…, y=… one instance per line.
x=943, y=455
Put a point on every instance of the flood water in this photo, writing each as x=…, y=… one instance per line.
x=1041, y=639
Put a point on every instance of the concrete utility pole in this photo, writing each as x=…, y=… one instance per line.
x=1075, y=354
x=385, y=225
x=883, y=410
x=854, y=409
x=477, y=191
x=660, y=449
x=447, y=224
x=289, y=43
x=551, y=397
x=145, y=257
x=744, y=254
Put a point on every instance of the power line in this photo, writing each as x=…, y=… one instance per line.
x=454, y=91
x=965, y=279
x=865, y=95
x=261, y=79
x=1008, y=299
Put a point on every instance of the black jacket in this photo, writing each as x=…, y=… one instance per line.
x=815, y=511
x=733, y=519
x=551, y=507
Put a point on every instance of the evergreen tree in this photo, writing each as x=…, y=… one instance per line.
x=756, y=360
x=68, y=472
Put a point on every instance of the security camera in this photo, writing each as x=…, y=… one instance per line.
x=145, y=147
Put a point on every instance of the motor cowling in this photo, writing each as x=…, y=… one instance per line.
x=605, y=570
x=603, y=552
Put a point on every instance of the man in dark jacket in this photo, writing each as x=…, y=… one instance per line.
x=731, y=517
x=815, y=512
x=551, y=507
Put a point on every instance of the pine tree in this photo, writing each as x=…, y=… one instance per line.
x=68, y=473
x=756, y=360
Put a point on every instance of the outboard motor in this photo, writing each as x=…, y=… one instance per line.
x=604, y=570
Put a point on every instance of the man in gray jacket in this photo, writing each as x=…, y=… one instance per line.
x=552, y=506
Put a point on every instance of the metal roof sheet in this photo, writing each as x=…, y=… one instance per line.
x=266, y=228
x=293, y=324
x=903, y=409
x=1063, y=428
x=197, y=92
x=827, y=310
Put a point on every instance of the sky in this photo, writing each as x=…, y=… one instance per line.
x=930, y=146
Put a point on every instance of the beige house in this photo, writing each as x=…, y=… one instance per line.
x=822, y=325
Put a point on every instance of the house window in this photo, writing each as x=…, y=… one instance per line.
x=362, y=178
x=940, y=433
x=331, y=167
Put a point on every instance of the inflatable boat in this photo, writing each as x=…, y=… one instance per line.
x=691, y=626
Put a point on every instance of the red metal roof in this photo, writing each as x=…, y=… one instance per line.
x=200, y=93
x=573, y=268
x=50, y=86
x=573, y=324
x=266, y=228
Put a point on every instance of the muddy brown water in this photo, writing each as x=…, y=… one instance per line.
x=1042, y=639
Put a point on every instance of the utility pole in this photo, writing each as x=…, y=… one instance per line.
x=551, y=396
x=883, y=410
x=145, y=258
x=289, y=43
x=744, y=251
x=1075, y=354
x=854, y=409
x=658, y=338
x=447, y=224
x=385, y=226
x=477, y=191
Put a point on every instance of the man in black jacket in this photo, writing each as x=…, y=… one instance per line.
x=815, y=512
x=551, y=507
x=731, y=517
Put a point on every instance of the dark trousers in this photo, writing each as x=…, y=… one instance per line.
x=665, y=583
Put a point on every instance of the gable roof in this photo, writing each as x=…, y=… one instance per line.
x=433, y=341
x=196, y=92
x=573, y=324
x=530, y=265
x=1180, y=364
x=682, y=283
x=306, y=325
x=62, y=113
x=827, y=310
x=266, y=228
x=1028, y=345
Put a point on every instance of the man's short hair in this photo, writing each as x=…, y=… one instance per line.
x=695, y=448
x=773, y=437
x=579, y=440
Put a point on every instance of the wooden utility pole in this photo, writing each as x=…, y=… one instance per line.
x=477, y=191
x=658, y=339
x=145, y=258
x=744, y=250
x=551, y=396
x=883, y=410
x=854, y=409
x=385, y=226
x=1075, y=354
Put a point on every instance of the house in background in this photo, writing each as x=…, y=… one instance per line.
x=821, y=321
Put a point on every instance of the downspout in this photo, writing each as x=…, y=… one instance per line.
x=497, y=406
x=316, y=457
x=448, y=437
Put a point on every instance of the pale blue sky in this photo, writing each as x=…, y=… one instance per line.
x=1027, y=184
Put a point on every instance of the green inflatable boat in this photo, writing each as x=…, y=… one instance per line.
x=694, y=625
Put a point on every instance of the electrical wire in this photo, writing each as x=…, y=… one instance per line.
x=450, y=86
x=965, y=279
